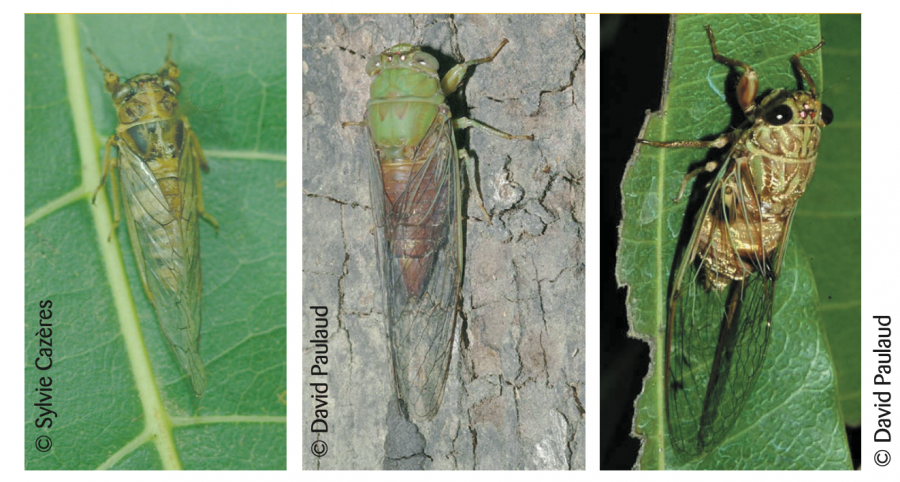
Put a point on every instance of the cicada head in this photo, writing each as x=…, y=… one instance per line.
x=144, y=97
x=797, y=108
x=783, y=107
x=402, y=56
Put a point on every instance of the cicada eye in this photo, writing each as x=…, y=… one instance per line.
x=171, y=85
x=779, y=116
x=373, y=65
x=827, y=114
x=122, y=93
x=426, y=61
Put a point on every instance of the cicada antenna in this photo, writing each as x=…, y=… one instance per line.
x=110, y=78
x=97, y=59
x=171, y=68
x=169, y=48
x=795, y=61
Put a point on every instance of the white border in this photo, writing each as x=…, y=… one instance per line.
x=881, y=173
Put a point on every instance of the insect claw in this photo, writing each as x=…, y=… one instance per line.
x=96, y=192
x=211, y=220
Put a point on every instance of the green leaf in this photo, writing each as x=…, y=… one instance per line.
x=828, y=221
x=122, y=399
x=792, y=419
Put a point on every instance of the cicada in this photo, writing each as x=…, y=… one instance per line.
x=158, y=166
x=721, y=295
x=414, y=178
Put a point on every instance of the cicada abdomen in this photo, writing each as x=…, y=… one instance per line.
x=158, y=164
x=415, y=192
x=721, y=297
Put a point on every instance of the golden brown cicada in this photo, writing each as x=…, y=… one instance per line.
x=721, y=295
x=158, y=167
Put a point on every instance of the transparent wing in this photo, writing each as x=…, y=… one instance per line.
x=418, y=251
x=717, y=337
x=168, y=246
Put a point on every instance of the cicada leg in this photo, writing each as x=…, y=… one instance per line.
x=108, y=165
x=465, y=123
x=452, y=79
x=748, y=86
x=470, y=168
x=710, y=166
x=355, y=124
x=197, y=152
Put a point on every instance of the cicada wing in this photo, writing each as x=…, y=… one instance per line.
x=192, y=283
x=717, y=338
x=168, y=248
x=418, y=250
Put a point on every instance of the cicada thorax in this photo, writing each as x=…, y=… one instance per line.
x=767, y=172
x=160, y=145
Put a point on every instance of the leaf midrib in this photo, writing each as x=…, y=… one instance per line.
x=157, y=425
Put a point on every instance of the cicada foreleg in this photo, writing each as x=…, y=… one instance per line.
x=748, y=86
x=200, y=160
x=108, y=165
x=710, y=166
x=453, y=78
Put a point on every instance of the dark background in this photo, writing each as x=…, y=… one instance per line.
x=632, y=61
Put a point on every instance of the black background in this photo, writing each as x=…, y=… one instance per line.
x=632, y=65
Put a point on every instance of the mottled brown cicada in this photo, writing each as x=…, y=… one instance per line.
x=721, y=295
x=158, y=167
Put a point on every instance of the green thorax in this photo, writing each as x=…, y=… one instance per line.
x=404, y=100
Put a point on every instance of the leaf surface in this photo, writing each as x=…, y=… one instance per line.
x=829, y=220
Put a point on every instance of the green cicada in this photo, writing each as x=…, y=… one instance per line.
x=158, y=168
x=415, y=193
x=721, y=295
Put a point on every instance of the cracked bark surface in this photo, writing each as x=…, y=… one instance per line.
x=514, y=395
